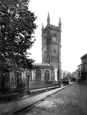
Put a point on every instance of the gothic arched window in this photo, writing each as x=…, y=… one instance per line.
x=38, y=75
x=47, y=75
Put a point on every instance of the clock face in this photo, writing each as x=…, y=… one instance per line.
x=54, y=39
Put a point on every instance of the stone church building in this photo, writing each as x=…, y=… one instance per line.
x=50, y=68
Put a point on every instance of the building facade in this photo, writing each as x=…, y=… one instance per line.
x=79, y=71
x=84, y=67
x=51, y=46
x=44, y=72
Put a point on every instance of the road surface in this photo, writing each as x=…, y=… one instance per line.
x=69, y=101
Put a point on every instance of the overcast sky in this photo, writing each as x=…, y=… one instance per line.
x=73, y=15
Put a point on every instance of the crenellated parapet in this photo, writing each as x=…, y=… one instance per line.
x=53, y=27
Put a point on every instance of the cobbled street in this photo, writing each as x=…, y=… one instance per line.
x=69, y=101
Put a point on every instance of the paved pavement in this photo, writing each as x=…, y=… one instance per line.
x=12, y=107
x=15, y=96
x=69, y=101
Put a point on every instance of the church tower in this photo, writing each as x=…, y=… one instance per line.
x=51, y=46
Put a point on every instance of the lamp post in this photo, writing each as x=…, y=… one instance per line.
x=84, y=70
x=28, y=76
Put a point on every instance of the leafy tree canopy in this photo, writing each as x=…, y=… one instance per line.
x=17, y=27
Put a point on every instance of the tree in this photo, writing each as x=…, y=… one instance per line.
x=17, y=27
x=16, y=31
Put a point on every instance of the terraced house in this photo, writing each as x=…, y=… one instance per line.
x=84, y=67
